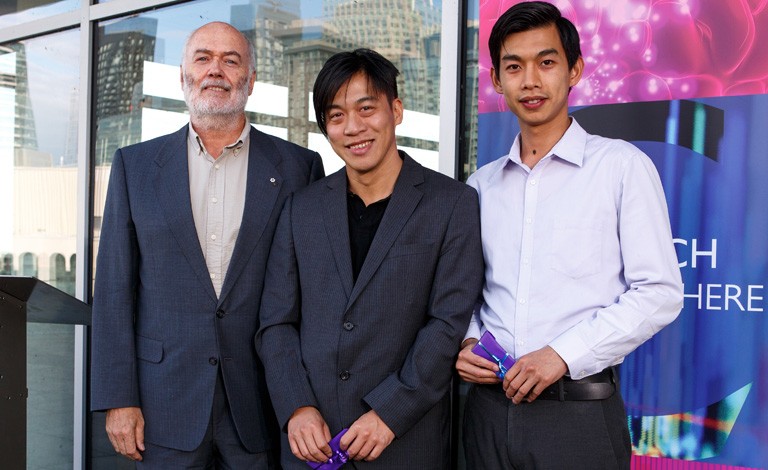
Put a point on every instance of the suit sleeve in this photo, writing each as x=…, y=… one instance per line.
x=404, y=397
x=277, y=340
x=114, y=381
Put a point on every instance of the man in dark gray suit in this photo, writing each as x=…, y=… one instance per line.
x=188, y=223
x=370, y=283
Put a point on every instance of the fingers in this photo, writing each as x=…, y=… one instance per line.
x=475, y=369
x=306, y=447
x=532, y=374
x=125, y=429
x=140, y=438
x=367, y=438
x=308, y=435
x=519, y=393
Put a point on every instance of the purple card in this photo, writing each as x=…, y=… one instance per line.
x=489, y=349
x=336, y=460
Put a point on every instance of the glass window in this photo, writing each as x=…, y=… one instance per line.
x=138, y=94
x=12, y=13
x=39, y=95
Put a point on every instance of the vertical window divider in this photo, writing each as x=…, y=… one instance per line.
x=83, y=274
x=450, y=69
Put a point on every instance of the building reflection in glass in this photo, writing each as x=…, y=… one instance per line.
x=39, y=99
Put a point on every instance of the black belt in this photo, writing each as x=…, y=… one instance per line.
x=594, y=387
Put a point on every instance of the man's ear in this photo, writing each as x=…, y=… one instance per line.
x=575, y=72
x=397, y=109
x=252, y=81
x=496, y=82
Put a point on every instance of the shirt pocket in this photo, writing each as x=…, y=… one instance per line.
x=577, y=248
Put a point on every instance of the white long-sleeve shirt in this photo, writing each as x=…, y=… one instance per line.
x=578, y=252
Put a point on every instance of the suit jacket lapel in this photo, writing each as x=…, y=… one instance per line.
x=337, y=226
x=262, y=189
x=405, y=198
x=172, y=188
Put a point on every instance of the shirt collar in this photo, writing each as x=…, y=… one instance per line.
x=570, y=147
x=197, y=142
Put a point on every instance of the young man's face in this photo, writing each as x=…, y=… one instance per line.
x=360, y=124
x=534, y=77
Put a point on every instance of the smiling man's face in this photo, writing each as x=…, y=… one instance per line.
x=216, y=71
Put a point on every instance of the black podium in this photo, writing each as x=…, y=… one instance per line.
x=22, y=300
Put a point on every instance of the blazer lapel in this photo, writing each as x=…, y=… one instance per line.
x=172, y=188
x=337, y=226
x=405, y=198
x=261, y=194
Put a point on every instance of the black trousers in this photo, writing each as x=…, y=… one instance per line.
x=545, y=434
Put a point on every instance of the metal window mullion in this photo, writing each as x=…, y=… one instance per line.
x=450, y=58
x=115, y=8
x=83, y=273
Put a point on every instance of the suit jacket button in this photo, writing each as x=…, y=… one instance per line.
x=348, y=325
x=344, y=375
x=213, y=361
x=220, y=313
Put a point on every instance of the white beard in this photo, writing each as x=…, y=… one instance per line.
x=215, y=112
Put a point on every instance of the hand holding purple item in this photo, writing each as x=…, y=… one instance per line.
x=337, y=460
x=490, y=349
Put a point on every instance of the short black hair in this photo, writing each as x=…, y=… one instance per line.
x=341, y=67
x=531, y=15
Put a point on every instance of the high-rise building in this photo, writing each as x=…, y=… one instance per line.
x=122, y=49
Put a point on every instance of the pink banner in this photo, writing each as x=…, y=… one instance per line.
x=653, y=50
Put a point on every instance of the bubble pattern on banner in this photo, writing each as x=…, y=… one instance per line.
x=653, y=49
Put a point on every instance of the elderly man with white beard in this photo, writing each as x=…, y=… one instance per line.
x=187, y=228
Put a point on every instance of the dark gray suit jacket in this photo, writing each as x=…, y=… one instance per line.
x=159, y=332
x=387, y=342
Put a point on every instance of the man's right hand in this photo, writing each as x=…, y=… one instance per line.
x=125, y=428
x=309, y=435
x=473, y=368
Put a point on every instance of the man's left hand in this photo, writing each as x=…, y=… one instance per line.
x=367, y=438
x=533, y=373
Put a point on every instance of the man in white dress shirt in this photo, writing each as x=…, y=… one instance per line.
x=580, y=266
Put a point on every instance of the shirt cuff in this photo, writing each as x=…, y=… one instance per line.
x=576, y=354
x=473, y=331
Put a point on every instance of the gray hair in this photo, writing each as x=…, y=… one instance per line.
x=248, y=42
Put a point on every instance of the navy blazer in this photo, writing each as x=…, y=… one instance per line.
x=388, y=341
x=159, y=333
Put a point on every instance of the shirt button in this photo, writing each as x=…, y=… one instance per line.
x=220, y=313
x=213, y=361
x=522, y=301
x=348, y=325
x=525, y=260
x=216, y=166
x=533, y=182
x=213, y=237
x=344, y=375
x=214, y=200
x=528, y=220
x=213, y=275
